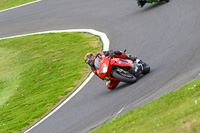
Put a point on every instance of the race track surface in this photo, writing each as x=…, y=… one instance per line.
x=166, y=36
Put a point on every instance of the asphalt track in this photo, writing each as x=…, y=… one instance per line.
x=166, y=36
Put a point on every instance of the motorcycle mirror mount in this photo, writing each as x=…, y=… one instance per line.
x=124, y=50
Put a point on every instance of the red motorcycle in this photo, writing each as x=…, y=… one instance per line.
x=120, y=69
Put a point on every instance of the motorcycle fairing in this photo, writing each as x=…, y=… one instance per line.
x=114, y=62
x=123, y=63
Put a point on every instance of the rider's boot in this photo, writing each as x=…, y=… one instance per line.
x=128, y=56
x=119, y=54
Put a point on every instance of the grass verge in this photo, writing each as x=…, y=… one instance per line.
x=5, y=4
x=38, y=71
x=176, y=112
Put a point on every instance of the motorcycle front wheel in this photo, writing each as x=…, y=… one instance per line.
x=128, y=78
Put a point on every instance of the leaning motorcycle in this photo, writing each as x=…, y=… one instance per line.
x=124, y=70
x=141, y=3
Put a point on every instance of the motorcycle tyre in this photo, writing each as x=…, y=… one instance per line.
x=146, y=68
x=122, y=78
x=165, y=0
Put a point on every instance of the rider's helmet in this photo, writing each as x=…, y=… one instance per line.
x=89, y=59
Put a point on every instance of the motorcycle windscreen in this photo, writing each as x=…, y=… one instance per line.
x=97, y=63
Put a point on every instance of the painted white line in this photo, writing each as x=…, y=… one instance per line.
x=102, y=35
x=63, y=103
x=118, y=113
x=106, y=44
x=20, y=6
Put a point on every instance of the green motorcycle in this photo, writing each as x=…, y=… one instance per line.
x=141, y=3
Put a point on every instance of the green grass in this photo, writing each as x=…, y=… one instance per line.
x=5, y=4
x=39, y=71
x=176, y=112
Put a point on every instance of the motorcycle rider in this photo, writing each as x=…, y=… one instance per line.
x=141, y=3
x=90, y=59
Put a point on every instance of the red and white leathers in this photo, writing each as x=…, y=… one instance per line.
x=111, y=84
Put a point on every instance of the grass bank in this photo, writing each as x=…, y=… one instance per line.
x=38, y=71
x=176, y=112
x=5, y=4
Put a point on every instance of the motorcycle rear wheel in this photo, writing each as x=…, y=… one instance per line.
x=124, y=77
x=146, y=68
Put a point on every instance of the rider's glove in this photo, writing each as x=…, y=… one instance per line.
x=98, y=56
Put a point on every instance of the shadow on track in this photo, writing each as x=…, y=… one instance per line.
x=122, y=85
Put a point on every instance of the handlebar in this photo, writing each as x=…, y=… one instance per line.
x=111, y=53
